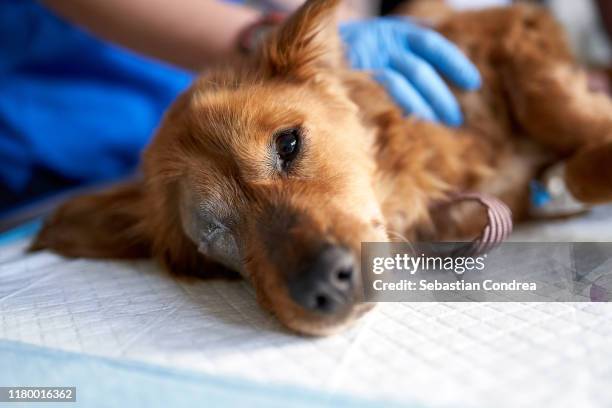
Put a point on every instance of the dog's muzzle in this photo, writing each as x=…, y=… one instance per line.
x=327, y=283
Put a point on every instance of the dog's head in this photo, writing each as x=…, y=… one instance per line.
x=265, y=168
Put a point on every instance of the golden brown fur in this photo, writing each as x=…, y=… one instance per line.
x=367, y=173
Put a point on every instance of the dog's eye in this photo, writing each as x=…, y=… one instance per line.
x=287, y=145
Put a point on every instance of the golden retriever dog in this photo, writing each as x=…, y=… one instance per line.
x=279, y=166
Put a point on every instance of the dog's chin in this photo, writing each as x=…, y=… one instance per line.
x=310, y=324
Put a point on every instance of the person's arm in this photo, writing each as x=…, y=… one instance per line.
x=188, y=33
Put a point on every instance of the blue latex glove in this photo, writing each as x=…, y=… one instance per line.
x=406, y=58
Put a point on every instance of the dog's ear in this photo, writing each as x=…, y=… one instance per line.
x=307, y=43
x=104, y=225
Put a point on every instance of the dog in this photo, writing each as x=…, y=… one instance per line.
x=279, y=166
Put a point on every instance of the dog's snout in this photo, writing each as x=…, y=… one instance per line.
x=327, y=284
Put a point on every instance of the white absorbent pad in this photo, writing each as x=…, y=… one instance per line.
x=436, y=354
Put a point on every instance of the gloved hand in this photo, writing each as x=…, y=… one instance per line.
x=406, y=58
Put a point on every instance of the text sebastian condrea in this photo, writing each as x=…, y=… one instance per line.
x=488, y=285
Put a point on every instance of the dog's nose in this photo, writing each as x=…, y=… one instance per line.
x=327, y=283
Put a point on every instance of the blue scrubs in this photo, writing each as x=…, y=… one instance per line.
x=72, y=107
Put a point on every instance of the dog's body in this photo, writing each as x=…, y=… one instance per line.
x=535, y=109
x=219, y=188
